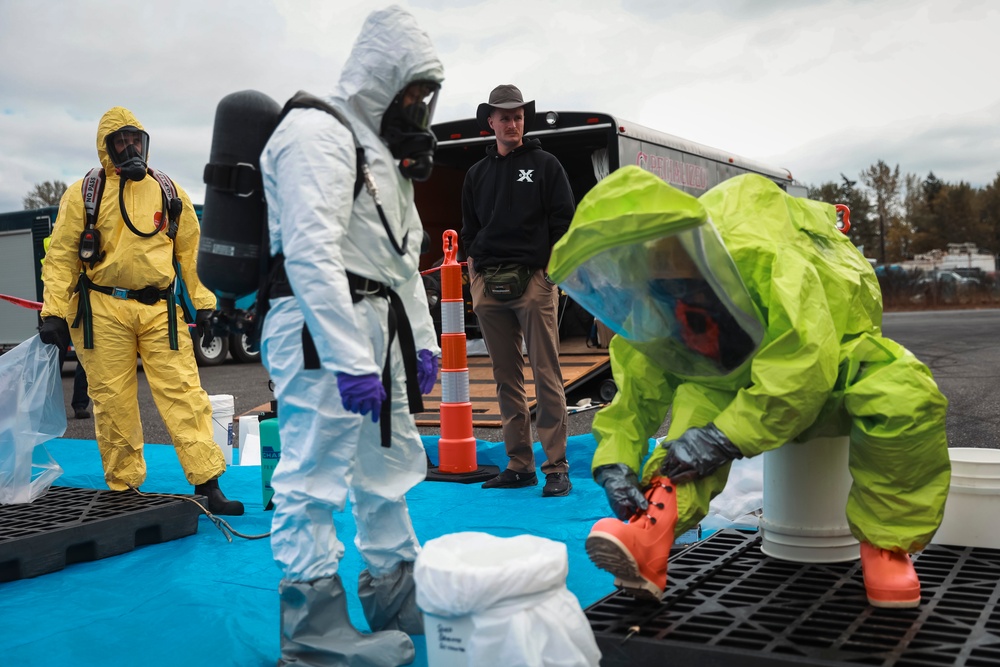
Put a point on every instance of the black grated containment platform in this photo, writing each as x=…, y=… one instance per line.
x=728, y=604
x=69, y=525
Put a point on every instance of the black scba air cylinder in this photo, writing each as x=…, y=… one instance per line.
x=234, y=216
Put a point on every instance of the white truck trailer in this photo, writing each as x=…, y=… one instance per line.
x=21, y=251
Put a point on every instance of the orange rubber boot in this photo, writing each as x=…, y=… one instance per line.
x=890, y=579
x=636, y=552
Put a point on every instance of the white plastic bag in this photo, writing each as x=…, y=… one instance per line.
x=32, y=412
x=510, y=593
x=739, y=505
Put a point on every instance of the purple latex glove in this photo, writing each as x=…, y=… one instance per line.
x=427, y=371
x=361, y=393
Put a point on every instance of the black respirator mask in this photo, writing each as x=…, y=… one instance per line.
x=406, y=129
x=128, y=149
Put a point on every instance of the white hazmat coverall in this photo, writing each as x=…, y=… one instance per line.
x=327, y=452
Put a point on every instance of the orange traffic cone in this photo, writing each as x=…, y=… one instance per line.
x=636, y=552
x=457, y=445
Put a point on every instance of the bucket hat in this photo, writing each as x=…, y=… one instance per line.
x=506, y=96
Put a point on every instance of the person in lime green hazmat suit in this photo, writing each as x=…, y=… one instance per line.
x=750, y=317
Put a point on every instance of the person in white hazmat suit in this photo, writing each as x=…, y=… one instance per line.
x=347, y=336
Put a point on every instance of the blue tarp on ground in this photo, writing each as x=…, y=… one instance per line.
x=203, y=601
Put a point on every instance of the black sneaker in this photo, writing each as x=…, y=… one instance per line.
x=509, y=479
x=81, y=413
x=557, y=484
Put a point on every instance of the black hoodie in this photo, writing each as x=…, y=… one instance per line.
x=515, y=207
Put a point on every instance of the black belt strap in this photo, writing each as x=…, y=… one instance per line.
x=148, y=295
x=399, y=324
x=278, y=286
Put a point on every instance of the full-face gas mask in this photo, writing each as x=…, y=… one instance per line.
x=128, y=149
x=406, y=129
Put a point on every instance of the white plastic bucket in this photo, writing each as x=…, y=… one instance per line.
x=223, y=408
x=972, y=513
x=484, y=596
x=248, y=442
x=804, y=516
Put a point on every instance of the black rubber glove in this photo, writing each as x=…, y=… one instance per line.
x=622, y=488
x=698, y=453
x=55, y=331
x=203, y=326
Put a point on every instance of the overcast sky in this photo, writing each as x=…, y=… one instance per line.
x=820, y=88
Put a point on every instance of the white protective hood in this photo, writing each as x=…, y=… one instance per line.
x=309, y=168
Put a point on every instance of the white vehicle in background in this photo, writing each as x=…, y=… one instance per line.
x=946, y=278
x=21, y=252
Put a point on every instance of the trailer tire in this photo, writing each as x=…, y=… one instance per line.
x=238, y=350
x=214, y=354
x=608, y=390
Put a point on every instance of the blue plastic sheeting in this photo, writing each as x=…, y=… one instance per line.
x=200, y=600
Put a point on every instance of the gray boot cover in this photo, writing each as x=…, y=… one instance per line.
x=390, y=602
x=317, y=632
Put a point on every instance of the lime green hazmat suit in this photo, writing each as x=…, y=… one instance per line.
x=124, y=328
x=822, y=368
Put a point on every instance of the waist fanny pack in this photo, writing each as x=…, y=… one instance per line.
x=507, y=281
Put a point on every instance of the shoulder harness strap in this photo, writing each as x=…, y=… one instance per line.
x=304, y=100
x=174, y=205
x=92, y=189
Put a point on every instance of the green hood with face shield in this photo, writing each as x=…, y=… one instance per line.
x=647, y=261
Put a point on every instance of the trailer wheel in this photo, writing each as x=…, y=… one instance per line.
x=608, y=390
x=238, y=348
x=214, y=354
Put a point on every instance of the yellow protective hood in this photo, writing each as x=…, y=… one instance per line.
x=629, y=206
x=645, y=259
x=113, y=120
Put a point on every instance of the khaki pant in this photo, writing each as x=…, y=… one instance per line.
x=533, y=318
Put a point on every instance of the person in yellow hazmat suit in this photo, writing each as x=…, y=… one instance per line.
x=110, y=273
x=750, y=317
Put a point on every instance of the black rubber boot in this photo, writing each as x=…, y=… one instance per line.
x=217, y=501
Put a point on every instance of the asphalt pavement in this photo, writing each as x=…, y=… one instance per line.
x=960, y=346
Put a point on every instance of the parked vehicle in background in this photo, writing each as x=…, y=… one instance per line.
x=21, y=252
x=945, y=287
x=975, y=273
x=942, y=278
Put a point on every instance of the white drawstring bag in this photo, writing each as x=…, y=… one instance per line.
x=500, y=601
x=32, y=412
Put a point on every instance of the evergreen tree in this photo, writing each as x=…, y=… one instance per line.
x=885, y=185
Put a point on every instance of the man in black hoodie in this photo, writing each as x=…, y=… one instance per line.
x=516, y=203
